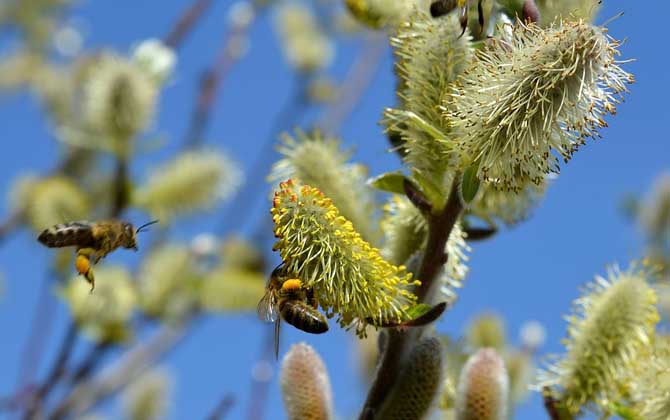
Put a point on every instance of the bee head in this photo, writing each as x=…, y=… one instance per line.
x=129, y=236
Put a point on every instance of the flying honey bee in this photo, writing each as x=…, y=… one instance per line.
x=442, y=7
x=93, y=241
x=286, y=298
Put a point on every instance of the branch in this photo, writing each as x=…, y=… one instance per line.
x=222, y=408
x=134, y=363
x=399, y=342
x=186, y=23
x=355, y=83
x=211, y=79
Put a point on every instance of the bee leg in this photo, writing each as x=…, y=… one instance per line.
x=463, y=19
x=83, y=266
x=277, y=324
x=311, y=299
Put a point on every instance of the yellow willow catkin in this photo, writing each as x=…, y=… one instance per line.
x=349, y=276
x=305, y=385
x=417, y=385
x=614, y=320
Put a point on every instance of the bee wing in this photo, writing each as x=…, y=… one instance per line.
x=78, y=234
x=267, y=309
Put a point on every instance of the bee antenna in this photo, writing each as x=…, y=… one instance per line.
x=139, y=229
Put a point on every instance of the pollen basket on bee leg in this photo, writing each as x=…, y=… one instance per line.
x=291, y=284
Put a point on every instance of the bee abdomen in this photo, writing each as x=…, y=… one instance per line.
x=303, y=317
x=66, y=234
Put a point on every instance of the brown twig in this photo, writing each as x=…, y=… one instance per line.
x=440, y=224
x=356, y=82
x=227, y=55
x=186, y=22
x=12, y=223
x=259, y=388
x=222, y=407
x=55, y=374
x=93, y=391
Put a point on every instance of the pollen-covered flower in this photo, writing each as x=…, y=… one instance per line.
x=613, y=321
x=193, y=181
x=119, y=98
x=483, y=388
x=487, y=330
x=431, y=56
x=348, y=275
x=305, y=45
x=532, y=100
x=104, y=313
x=317, y=161
x=305, y=385
x=406, y=230
x=147, y=398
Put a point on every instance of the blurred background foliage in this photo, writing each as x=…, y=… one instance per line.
x=110, y=156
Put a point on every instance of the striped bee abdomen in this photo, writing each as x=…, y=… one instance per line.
x=77, y=234
x=303, y=316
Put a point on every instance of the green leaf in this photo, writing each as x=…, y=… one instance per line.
x=418, y=310
x=470, y=183
x=389, y=182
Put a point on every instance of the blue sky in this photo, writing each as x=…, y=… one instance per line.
x=532, y=271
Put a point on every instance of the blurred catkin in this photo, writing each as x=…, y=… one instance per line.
x=231, y=289
x=306, y=46
x=318, y=161
x=104, y=314
x=550, y=10
x=650, y=381
x=119, y=100
x=417, y=385
x=487, y=331
x=167, y=282
x=613, y=322
x=305, y=385
x=349, y=277
x=548, y=91
x=483, y=388
x=147, y=398
x=49, y=201
x=192, y=181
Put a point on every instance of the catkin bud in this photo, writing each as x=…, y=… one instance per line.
x=349, y=277
x=483, y=388
x=157, y=59
x=417, y=385
x=305, y=385
x=193, y=181
x=614, y=321
x=537, y=98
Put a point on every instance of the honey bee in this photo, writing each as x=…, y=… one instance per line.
x=288, y=299
x=442, y=7
x=93, y=241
